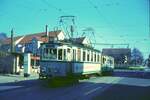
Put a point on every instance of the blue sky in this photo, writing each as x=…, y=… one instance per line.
x=114, y=21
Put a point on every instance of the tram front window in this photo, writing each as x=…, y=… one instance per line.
x=109, y=61
x=104, y=59
x=53, y=53
x=60, y=54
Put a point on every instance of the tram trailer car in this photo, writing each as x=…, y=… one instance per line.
x=65, y=58
x=107, y=61
x=107, y=65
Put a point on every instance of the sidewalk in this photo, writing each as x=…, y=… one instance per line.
x=7, y=78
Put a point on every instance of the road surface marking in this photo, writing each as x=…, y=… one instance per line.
x=87, y=93
x=87, y=86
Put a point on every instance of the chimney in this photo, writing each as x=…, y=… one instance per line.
x=46, y=29
x=12, y=40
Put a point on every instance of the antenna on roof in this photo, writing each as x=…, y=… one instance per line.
x=67, y=23
x=55, y=31
x=89, y=32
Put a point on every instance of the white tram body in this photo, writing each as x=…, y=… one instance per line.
x=60, y=58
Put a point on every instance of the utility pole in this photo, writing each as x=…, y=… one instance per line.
x=46, y=29
x=12, y=51
x=12, y=41
x=46, y=34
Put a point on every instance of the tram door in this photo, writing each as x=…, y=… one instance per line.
x=69, y=56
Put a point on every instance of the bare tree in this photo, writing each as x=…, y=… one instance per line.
x=136, y=57
x=148, y=61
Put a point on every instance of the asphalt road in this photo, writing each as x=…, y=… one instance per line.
x=99, y=88
x=28, y=89
x=125, y=92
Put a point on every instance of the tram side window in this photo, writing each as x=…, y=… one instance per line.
x=53, y=53
x=68, y=50
x=59, y=54
x=91, y=56
x=74, y=54
x=79, y=55
x=84, y=54
x=95, y=57
x=64, y=54
x=88, y=56
x=98, y=58
x=69, y=56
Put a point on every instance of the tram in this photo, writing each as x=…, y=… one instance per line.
x=60, y=58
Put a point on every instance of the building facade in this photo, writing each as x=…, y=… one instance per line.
x=30, y=44
x=121, y=56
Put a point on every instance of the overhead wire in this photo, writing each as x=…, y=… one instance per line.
x=98, y=11
x=53, y=6
x=62, y=24
x=100, y=14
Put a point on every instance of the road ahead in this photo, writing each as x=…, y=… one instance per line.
x=25, y=90
x=85, y=90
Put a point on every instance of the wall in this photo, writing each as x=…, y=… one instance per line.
x=6, y=64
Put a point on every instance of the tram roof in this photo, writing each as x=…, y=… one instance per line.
x=71, y=43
